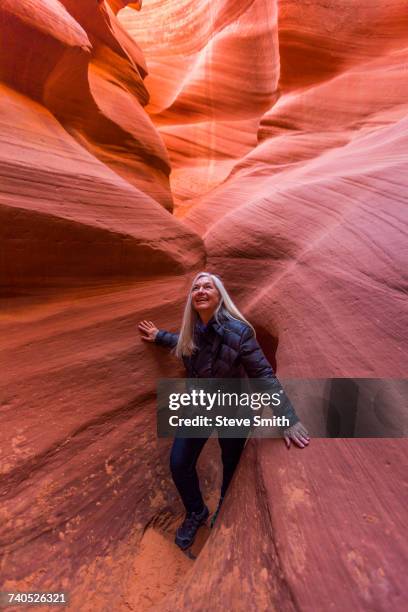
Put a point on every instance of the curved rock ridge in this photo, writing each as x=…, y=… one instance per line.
x=84, y=171
x=213, y=70
x=318, y=40
x=314, y=216
x=118, y=5
x=48, y=17
x=351, y=538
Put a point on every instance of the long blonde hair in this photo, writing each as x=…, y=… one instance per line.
x=226, y=307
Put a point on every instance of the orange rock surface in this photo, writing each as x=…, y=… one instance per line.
x=140, y=143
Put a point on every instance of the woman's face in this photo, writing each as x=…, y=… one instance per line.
x=205, y=295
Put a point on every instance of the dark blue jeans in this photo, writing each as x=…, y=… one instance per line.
x=183, y=459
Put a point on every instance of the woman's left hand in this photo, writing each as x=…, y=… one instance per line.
x=298, y=433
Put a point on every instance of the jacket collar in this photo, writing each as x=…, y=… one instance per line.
x=218, y=327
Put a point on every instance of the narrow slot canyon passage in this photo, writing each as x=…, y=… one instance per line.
x=140, y=144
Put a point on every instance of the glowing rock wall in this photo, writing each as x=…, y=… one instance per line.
x=295, y=116
x=84, y=171
x=276, y=133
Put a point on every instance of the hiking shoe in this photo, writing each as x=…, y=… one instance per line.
x=214, y=516
x=186, y=533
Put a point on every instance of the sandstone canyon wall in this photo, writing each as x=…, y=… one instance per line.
x=266, y=140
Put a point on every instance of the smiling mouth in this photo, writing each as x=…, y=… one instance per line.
x=202, y=300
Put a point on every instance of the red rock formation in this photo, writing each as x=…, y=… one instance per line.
x=306, y=531
x=284, y=125
x=209, y=82
x=315, y=210
x=84, y=228
x=72, y=123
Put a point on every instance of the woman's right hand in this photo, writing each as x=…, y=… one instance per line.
x=148, y=330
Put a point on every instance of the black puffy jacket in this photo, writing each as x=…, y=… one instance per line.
x=235, y=353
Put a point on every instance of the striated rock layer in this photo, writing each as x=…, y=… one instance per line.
x=283, y=125
x=89, y=246
x=311, y=215
x=84, y=172
x=213, y=70
x=293, y=536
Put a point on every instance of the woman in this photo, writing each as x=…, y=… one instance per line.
x=215, y=340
